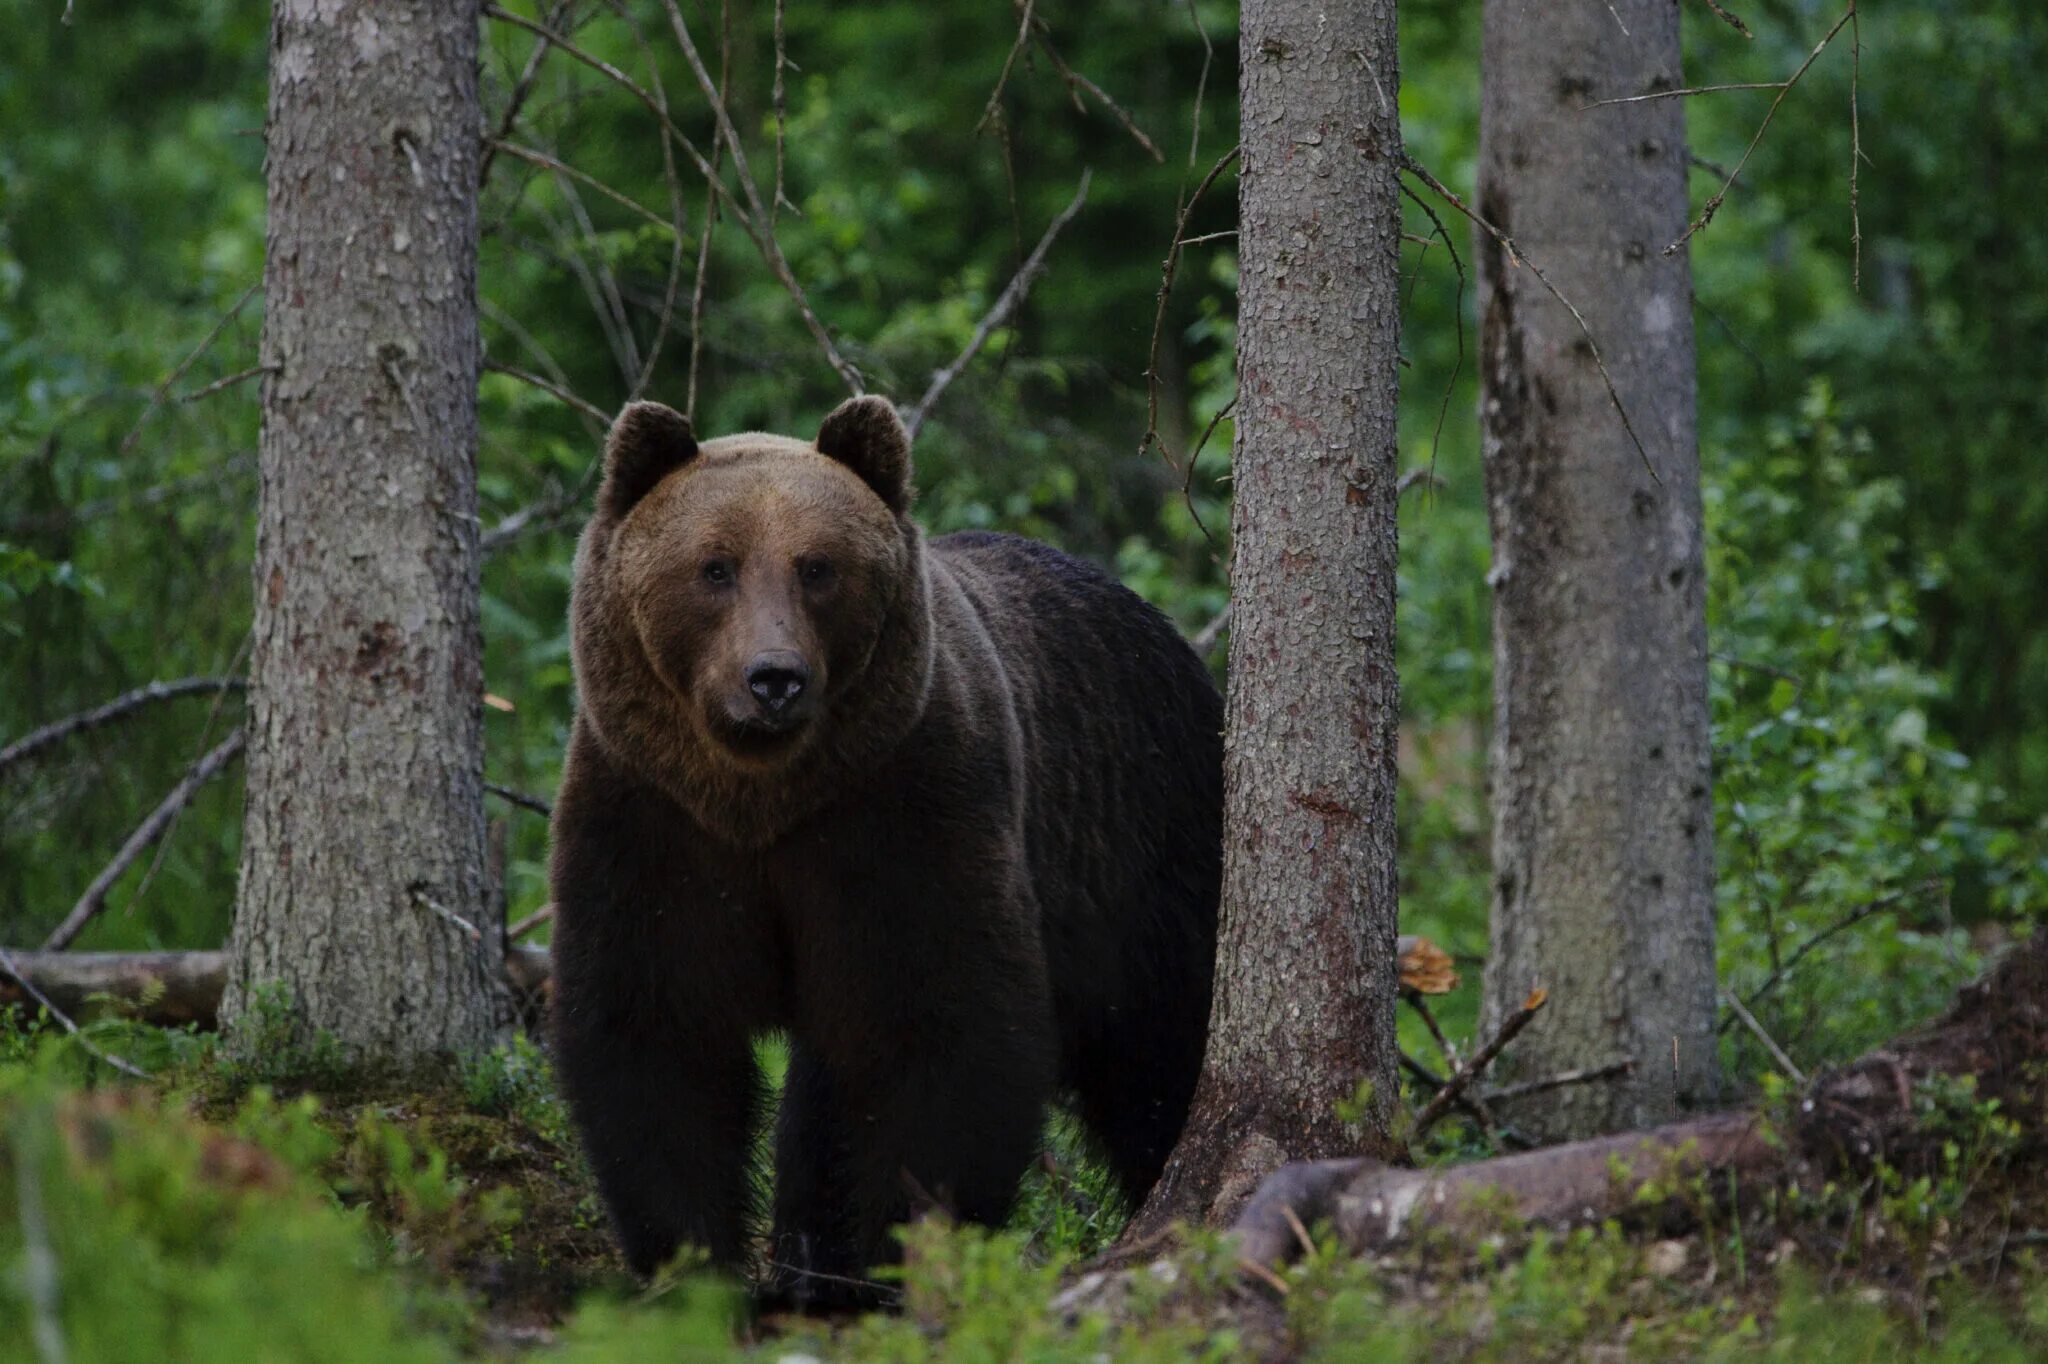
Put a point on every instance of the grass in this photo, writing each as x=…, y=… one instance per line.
x=210, y=1215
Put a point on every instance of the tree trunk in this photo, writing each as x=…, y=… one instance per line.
x=1603, y=816
x=363, y=886
x=1305, y=976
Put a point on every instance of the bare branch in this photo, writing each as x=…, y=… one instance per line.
x=1544, y=1084
x=758, y=226
x=545, y=914
x=779, y=98
x=238, y=377
x=1777, y=1052
x=995, y=96
x=1713, y=204
x=1685, y=93
x=1481, y=1059
x=552, y=389
x=58, y=730
x=170, y=380
x=513, y=796
x=145, y=834
x=128, y=1068
x=1076, y=82
x=1005, y=305
x=559, y=167
x=1729, y=19
x=521, y=89
x=1167, y=270
x=1507, y=243
x=1443, y=411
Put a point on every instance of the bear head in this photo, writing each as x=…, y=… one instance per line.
x=735, y=598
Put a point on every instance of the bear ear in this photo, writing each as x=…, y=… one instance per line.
x=647, y=442
x=866, y=436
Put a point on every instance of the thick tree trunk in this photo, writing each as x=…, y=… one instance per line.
x=1305, y=975
x=1603, y=816
x=363, y=886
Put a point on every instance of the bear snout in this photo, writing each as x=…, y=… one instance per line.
x=778, y=680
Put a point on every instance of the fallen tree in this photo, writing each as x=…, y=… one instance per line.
x=1843, y=1120
x=175, y=988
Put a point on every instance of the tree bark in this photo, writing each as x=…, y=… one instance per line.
x=363, y=885
x=1603, y=813
x=1305, y=974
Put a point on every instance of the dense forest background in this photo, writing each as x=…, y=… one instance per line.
x=1875, y=515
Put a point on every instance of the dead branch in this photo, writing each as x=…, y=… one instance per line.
x=1076, y=82
x=1584, y=1075
x=146, y=833
x=1997, y=1031
x=240, y=376
x=522, y=799
x=1203, y=641
x=125, y=704
x=1507, y=244
x=1443, y=411
x=1729, y=19
x=552, y=389
x=779, y=98
x=171, y=989
x=1480, y=1060
x=544, y=915
x=1756, y=1029
x=129, y=1068
x=1841, y=925
x=1713, y=204
x=156, y=399
x=995, y=96
x=758, y=226
x=1167, y=270
x=624, y=82
x=521, y=89
x=559, y=167
x=1005, y=305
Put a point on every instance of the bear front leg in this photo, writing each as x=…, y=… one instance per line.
x=815, y=1257
x=667, y=1115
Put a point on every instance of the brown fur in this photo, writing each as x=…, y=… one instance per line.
x=974, y=858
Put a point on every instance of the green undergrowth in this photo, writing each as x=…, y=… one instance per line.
x=205, y=1214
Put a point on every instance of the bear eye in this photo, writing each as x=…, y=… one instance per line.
x=815, y=572
x=717, y=572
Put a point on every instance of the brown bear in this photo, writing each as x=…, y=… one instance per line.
x=946, y=813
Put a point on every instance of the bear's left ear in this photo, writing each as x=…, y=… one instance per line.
x=647, y=442
x=866, y=436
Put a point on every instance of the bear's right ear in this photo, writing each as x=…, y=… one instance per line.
x=647, y=443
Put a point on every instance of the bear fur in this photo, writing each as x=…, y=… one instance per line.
x=945, y=813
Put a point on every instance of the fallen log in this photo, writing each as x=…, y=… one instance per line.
x=174, y=988
x=1851, y=1118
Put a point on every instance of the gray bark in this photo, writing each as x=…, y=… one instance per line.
x=1603, y=817
x=1305, y=971
x=363, y=885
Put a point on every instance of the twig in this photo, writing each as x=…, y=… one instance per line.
x=1167, y=270
x=624, y=82
x=156, y=399
x=1201, y=84
x=1187, y=478
x=1443, y=411
x=1006, y=304
x=1204, y=640
x=779, y=98
x=700, y=283
x=1543, y=1085
x=1076, y=82
x=521, y=89
x=1729, y=19
x=559, y=167
x=1777, y=1052
x=1481, y=1059
x=758, y=226
x=995, y=96
x=426, y=901
x=545, y=914
x=1507, y=243
x=525, y=801
x=552, y=389
x=146, y=833
x=128, y=1068
x=58, y=730
x=1684, y=93
x=673, y=280
x=1841, y=925
x=238, y=377
x=1713, y=204
x=1855, y=147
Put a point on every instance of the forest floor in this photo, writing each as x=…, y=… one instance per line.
x=316, y=1215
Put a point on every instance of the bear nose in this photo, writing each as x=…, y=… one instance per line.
x=776, y=679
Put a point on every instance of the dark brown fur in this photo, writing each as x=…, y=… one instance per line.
x=974, y=862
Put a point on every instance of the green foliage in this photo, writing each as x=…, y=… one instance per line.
x=270, y=1046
